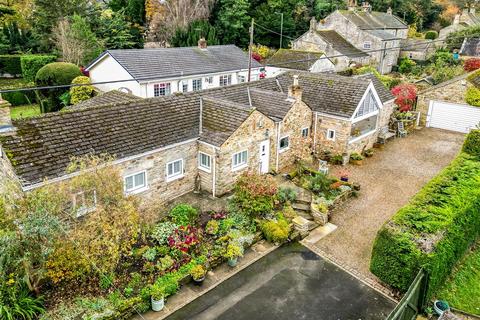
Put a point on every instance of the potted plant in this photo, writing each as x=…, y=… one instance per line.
x=440, y=306
x=344, y=174
x=233, y=252
x=157, y=294
x=198, y=273
x=356, y=159
x=369, y=153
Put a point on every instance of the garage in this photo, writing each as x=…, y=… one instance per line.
x=452, y=116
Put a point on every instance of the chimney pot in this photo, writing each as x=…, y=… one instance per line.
x=295, y=91
x=202, y=43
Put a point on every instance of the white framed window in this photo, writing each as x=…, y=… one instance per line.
x=369, y=106
x=225, y=80
x=209, y=80
x=135, y=183
x=367, y=45
x=184, y=86
x=84, y=202
x=284, y=143
x=204, y=162
x=162, y=89
x=241, y=79
x=305, y=132
x=197, y=84
x=174, y=170
x=331, y=134
x=239, y=160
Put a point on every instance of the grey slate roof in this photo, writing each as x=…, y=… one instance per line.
x=383, y=92
x=42, y=146
x=382, y=34
x=416, y=45
x=374, y=20
x=109, y=97
x=159, y=63
x=470, y=47
x=340, y=44
x=294, y=59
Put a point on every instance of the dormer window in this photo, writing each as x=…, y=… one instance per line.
x=84, y=202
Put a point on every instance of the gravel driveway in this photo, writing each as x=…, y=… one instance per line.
x=388, y=180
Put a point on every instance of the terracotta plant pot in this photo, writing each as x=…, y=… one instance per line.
x=356, y=162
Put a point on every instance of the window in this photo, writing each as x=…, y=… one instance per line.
x=175, y=170
x=239, y=160
x=364, y=126
x=369, y=105
x=204, y=161
x=331, y=134
x=225, y=80
x=197, y=84
x=84, y=202
x=136, y=182
x=305, y=132
x=184, y=86
x=161, y=89
x=241, y=79
x=367, y=45
x=284, y=143
x=209, y=80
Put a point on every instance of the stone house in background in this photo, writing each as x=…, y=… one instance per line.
x=417, y=49
x=168, y=146
x=366, y=30
x=289, y=59
x=466, y=18
x=163, y=71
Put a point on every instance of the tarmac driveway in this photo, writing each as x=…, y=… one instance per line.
x=290, y=283
x=388, y=180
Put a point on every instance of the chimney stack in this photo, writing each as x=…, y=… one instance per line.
x=202, y=43
x=295, y=91
x=366, y=7
x=472, y=8
x=5, y=120
x=313, y=24
x=390, y=11
x=352, y=5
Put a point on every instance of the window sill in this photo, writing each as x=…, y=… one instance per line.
x=240, y=167
x=205, y=169
x=173, y=178
x=136, y=191
x=283, y=150
x=369, y=133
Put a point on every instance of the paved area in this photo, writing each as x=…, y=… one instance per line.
x=290, y=283
x=388, y=180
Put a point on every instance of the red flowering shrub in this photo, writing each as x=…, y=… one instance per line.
x=185, y=238
x=405, y=96
x=218, y=215
x=256, y=56
x=254, y=193
x=471, y=64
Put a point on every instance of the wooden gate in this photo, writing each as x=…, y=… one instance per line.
x=413, y=301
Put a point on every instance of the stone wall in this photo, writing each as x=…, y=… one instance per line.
x=450, y=91
x=159, y=190
x=298, y=118
x=342, y=128
x=248, y=137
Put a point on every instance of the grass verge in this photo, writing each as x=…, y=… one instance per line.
x=24, y=111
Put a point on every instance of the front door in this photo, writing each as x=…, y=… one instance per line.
x=264, y=156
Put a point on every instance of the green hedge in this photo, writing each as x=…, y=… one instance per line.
x=10, y=64
x=472, y=143
x=431, y=35
x=434, y=230
x=32, y=63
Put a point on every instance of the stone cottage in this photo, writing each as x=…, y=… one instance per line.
x=368, y=31
x=168, y=146
x=466, y=18
x=290, y=59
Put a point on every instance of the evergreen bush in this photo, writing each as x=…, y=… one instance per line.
x=81, y=93
x=434, y=230
x=30, y=64
x=10, y=64
x=472, y=97
x=472, y=143
x=431, y=35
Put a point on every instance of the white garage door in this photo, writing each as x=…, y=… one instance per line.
x=451, y=116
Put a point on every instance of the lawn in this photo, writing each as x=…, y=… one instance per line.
x=24, y=111
x=462, y=290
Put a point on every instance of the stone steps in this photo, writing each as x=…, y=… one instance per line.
x=299, y=206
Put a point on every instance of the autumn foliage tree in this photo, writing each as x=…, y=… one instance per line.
x=405, y=96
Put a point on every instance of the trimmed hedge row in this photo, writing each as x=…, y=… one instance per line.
x=10, y=64
x=434, y=230
x=30, y=65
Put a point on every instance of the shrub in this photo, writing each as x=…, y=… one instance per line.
x=471, y=64
x=337, y=159
x=431, y=35
x=254, y=193
x=234, y=250
x=16, y=98
x=52, y=74
x=472, y=96
x=472, y=143
x=320, y=183
x=405, y=96
x=30, y=64
x=406, y=65
x=356, y=156
x=17, y=303
x=434, y=230
x=198, y=272
x=212, y=227
x=81, y=93
x=162, y=231
x=10, y=64
x=286, y=194
x=276, y=231
x=183, y=214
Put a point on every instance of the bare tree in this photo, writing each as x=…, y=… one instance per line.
x=72, y=50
